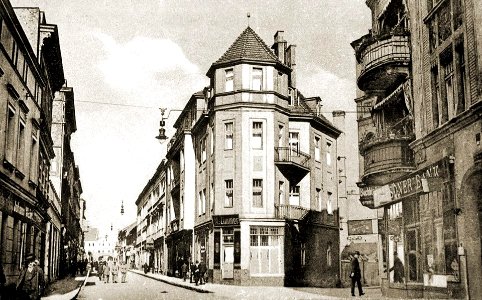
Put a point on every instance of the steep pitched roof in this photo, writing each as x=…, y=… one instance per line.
x=248, y=46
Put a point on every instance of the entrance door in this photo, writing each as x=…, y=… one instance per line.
x=228, y=262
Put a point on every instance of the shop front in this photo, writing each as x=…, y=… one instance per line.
x=227, y=249
x=419, y=234
x=178, y=250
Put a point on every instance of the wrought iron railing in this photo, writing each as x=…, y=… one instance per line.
x=288, y=154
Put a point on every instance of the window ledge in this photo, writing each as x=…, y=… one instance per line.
x=19, y=174
x=8, y=165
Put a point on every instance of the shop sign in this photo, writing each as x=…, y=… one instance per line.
x=226, y=220
x=354, y=237
x=424, y=180
x=360, y=227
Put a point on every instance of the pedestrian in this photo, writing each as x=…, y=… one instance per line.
x=100, y=270
x=355, y=275
x=398, y=269
x=41, y=277
x=202, y=272
x=27, y=286
x=196, y=272
x=3, y=280
x=106, y=272
x=114, y=270
x=184, y=271
x=191, y=277
x=123, y=271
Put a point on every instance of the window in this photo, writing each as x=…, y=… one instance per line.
x=228, y=199
x=21, y=146
x=203, y=202
x=265, y=249
x=211, y=140
x=228, y=136
x=257, y=79
x=281, y=192
x=257, y=192
x=211, y=197
x=280, y=136
x=319, y=199
x=317, y=148
x=435, y=96
x=229, y=87
x=10, y=137
x=329, y=204
x=203, y=149
x=294, y=143
x=294, y=194
x=257, y=140
x=199, y=204
x=461, y=73
x=328, y=153
x=448, y=93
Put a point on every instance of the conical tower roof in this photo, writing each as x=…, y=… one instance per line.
x=247, y=47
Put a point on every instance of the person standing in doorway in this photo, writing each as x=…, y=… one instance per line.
x=355, y=274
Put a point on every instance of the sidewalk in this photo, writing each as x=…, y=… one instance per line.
x=266, y=292
x=72, y=294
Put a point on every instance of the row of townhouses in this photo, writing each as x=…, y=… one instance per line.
x=40, y=206
x=419, y=101
x=249, y=184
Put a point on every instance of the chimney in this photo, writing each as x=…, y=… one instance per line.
x=291, y=62
x=279, y=45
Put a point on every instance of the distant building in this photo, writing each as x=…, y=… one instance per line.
x=100, y=246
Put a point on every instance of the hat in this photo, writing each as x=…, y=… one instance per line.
x=357, y=252
x=30, y=258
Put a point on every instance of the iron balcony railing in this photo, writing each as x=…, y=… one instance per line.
x=292, y=212
x=287, y=154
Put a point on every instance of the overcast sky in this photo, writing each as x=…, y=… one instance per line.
x=156, y=54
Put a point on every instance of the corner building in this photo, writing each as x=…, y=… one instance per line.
x=418, y=73
x=264, y=190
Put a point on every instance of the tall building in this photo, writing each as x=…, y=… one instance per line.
x=418, y=75
x=252, y=174
x=30, y=73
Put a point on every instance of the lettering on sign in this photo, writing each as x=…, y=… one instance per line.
x=354, y=238
x=226, y=220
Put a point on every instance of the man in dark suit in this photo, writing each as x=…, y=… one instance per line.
x=356, y=274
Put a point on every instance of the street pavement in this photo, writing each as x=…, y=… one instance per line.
x=265, y=292
x=156, y=286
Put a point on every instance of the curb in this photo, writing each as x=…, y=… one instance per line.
x=80, y=288
x=193, y=288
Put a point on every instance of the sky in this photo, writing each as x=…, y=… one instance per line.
x=141, y=57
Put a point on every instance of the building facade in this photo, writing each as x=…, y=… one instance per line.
x=418, y=73
x=30, y=73
x=150, y=226
x=252, y=174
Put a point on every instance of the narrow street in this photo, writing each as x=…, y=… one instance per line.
x=138, y=287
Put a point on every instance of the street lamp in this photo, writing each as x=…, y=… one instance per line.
x=162, y=131
x=122, y=207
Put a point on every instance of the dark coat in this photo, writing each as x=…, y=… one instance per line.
x=355, y=268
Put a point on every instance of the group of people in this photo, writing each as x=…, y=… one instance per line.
x=197, y=274
x=107, y=269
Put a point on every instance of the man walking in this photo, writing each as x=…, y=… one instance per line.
x=355, y=275
x=202, y=272
x=123, y=271
x=100, y=270
x=106, y=272
x=184, y=271
x=114, y=271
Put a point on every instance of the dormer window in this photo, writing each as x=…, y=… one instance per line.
x=229, y=74
x=257, y=79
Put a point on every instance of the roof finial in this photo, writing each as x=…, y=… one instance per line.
x=249, y=16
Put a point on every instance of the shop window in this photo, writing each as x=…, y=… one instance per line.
x=395, y=240
x=266, y=250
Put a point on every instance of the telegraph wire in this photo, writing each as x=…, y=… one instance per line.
x=177, y=109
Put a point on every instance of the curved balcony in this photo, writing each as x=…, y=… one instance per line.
x=384, y=61
x=290, y=212
x=386, y=158
x=293, y=163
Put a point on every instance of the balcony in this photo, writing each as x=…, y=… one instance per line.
x=290, y=212
x=384, y=61
x=293, y=163
x=386, y=158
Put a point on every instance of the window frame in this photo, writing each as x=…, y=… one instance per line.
x=229, y=193
x=257, y=193
x=229, y=80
